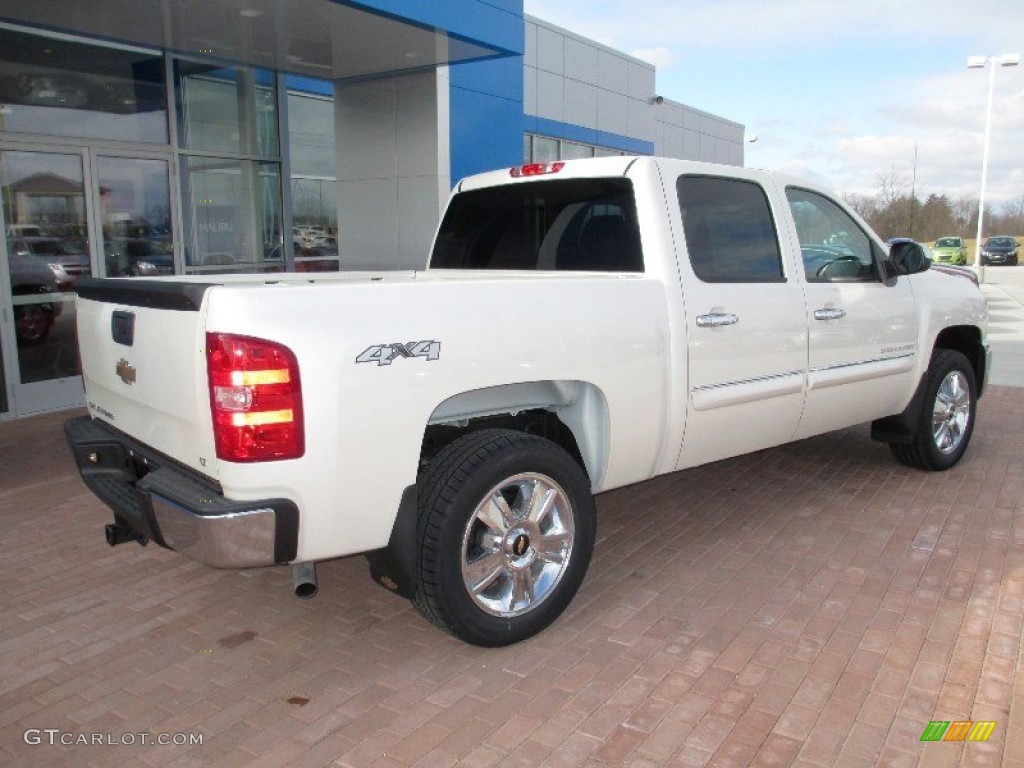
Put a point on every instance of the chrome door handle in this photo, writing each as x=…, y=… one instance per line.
x=829, y=314
x=716, y=320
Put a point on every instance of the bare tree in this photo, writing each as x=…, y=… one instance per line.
x=1012, y=217
x=892, y=186
x=866, y=206
x=965, y=210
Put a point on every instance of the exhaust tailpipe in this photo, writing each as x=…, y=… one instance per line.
x=304, y=580
x=116, y=533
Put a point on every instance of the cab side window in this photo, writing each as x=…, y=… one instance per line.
x=833, y=246
x=729, y=229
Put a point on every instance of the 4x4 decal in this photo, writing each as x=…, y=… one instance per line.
x=384, y=354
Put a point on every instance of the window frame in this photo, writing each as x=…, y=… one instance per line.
x=782, y=276
x=557, y=208
x=877, y=256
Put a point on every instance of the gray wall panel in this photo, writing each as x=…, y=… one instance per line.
x=641, y=80
x=530, y=45
x=611, y=113
x=613, y=72
x=580, y=103
x=530, y=91
x=581, y=62
x=550, y=51
x=550, y=96
x=582, y=83
x=393, y=165
x=364, y=241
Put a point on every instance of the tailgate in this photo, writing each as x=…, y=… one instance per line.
x=144, y=364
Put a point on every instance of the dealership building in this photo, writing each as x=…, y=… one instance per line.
x=147, y=137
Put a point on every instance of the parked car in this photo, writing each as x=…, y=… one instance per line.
x=31, y=277
x=1000, y=250
x=67, y=261
x=139, y=257
x=950, y=250
x=24, y=230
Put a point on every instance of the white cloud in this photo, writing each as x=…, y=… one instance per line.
x=838, y=91
x=753, y=25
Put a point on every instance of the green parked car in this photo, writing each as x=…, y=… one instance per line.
x=950, y=250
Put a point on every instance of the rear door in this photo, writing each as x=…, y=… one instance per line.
x=745, y=317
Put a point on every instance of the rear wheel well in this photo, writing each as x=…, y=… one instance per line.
x=538, y=421
x=396, y=566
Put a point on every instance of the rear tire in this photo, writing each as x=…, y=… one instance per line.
x=947, y=418
x=32, y=323
x=506, y=531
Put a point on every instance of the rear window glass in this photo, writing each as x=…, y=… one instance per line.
x=571, y=224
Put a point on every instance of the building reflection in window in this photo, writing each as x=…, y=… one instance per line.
x=62, y=87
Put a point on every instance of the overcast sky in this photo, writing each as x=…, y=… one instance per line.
x=840, y=91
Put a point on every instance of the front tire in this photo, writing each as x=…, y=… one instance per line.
x=947, y=418
x=506, y=532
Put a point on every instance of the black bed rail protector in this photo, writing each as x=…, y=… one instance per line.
x=153, y=294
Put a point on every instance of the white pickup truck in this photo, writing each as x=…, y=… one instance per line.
x=580, y=326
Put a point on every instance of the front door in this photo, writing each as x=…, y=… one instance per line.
x=47, y=248
x=862, y=347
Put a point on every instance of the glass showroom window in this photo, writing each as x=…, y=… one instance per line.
x=314, y=183
x=541, y=149
x=573, y=151
x=230, y=168
x=233, y=210
x=67, y=87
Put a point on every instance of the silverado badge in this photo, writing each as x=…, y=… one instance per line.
x=126, y=371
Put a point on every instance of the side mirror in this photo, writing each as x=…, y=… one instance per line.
x=909, y=258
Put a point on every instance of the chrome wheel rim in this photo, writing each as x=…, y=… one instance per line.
x=951, y=413
x=517, y=545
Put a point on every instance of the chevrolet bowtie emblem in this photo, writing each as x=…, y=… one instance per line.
x=126, y=371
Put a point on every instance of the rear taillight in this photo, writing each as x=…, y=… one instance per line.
x=255, y=398
x=535, y=169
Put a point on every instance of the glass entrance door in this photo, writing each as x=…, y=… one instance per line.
x=46, y=250
x=135, y=216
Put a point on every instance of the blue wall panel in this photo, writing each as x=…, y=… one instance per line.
x=486, y=115
x=570, y=132
x=494, y=23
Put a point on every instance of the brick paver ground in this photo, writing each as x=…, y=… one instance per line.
x=811, y=605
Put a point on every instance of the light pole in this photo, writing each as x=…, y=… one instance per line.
x=980, y=62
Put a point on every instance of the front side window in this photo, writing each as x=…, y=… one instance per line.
x=833, y=246
x=575, y=224
x=729, y=230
